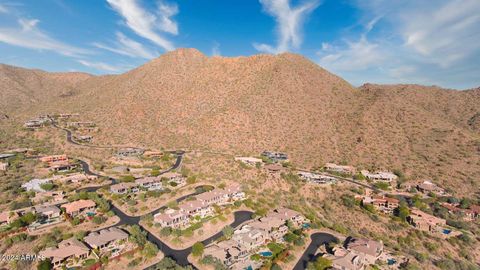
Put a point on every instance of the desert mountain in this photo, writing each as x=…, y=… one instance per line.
x=244, y=105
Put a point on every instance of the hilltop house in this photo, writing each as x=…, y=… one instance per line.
x=123, y=188
x=153, y=154
x=345, y=259
x=51, y=196
x=150, y=183
x=47, y=211
x=316, y=178
x=67, y=250
x=380, y=176
x=173, y=177
x=251, y=236
x=275, y=156
x=274, y=169
x=370, y=250
x=130, y=152
x=84, y=138
x=79, y=207
x=107, y=239
x=332, y=167
x=172, y=218
x=469, y=214
x=251, y=161
x=227, y=252
x=384, y=204
x=54, y=158
x=201, y=206
x=39, y=122
x=80, y=124
x=428, y=187
x=62, y=166
x=425, y=222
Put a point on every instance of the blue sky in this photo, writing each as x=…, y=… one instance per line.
x=379, y=41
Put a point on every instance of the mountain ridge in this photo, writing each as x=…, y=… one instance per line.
x=282, y=102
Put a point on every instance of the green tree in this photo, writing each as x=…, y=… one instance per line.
x=128, y=178
x=403, y=212
x=150, y=250
x=45, y=265
x=47, y=186
x=320, y=263
x=137, y=235
x=227, y=232
x=197, y=249
x=155, y=172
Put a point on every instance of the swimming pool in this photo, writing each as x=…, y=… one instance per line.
x=266, y=253
x=446, y=231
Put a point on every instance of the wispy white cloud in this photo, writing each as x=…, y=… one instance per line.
x=147, y=24
x=289, y=23
x=3, y=9
x=216, y=49
x=28, y=35
x=357, y=55
x=128, y=47
x=424, y=43
x=102, y=66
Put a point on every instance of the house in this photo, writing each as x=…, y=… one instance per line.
x=218, y=197
x=39, y=122
x=428, y=187
x=130, y=152
x=54, y=158
x=467, y=214
x=70, y=249
x=51, y=196
x=332, y=167
x=344, y=259
x=172, y=218
x=123, y=188
x=274, y=169
x=35, y=184
x=7, y=217
x=275, y=156
x=84, y=138
x=235, y=192
x=286, y=214
x=106, y=239
x=383, y=204
x=369, y=249
x=251, y=161
x=249, y=237
x=150, y=183
x=79, y=207
x=425, y=222
x=476, y=210
x=62, y=166
x=3, y=166
x=316, y=178
x=227, y=252
x=80, y=124
x=47, y=211
x=174, y=177
x=74, y=178
x=153, y=154
x=380, y=176
x=196, y=208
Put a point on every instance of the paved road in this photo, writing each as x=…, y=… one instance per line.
x=318, y=239
x=181, y=256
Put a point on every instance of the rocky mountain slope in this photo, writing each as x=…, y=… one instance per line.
x=244, y=105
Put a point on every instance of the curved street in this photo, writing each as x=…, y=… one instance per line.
x=318, y=239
